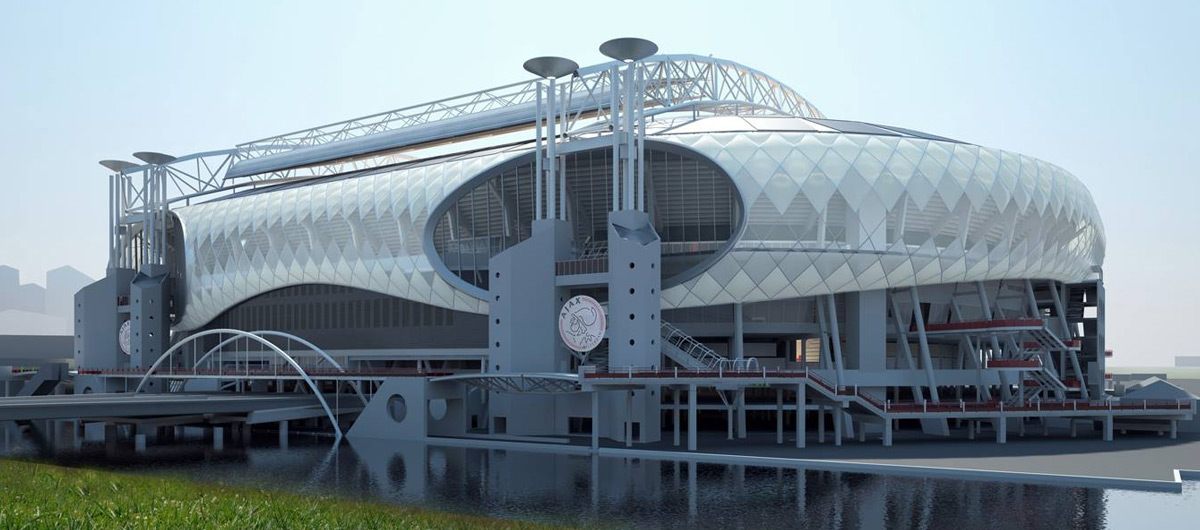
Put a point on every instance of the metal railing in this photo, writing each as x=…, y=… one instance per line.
x=655, y=372
x=1039, y=406
x=705, y=356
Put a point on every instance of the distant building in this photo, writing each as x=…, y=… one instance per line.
x=29, y=297
x=10, y=279
x=1187, y=361
x=30, y=309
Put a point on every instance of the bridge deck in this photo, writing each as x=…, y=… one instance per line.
x=144, y=405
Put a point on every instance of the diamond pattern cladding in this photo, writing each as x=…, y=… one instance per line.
x=365, y=232
x=832, y=213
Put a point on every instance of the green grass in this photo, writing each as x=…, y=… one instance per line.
x=43, y=496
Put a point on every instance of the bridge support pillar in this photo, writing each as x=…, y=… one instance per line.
x=887, y=433
x=862, y=431
x=1108, y=428
x=691, y=423
x=971, y=430
x=283, y=434
x=218, y=438
x=110, y=433
x=1001, y=430
x=779, y=416
x=139, y=442
x=801, y=428
x=729, y=412
x=1174, y=429
x=1074, y=427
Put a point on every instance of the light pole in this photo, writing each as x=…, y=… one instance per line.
x=629, y=50
x=549, y=68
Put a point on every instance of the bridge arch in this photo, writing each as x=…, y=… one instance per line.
x=304, y=342
x=254, y=336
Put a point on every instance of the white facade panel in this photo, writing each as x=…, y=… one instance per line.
x=825, y=213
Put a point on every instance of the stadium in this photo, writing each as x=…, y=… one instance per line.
x=627, y=253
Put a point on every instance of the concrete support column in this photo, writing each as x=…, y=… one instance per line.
x=729, y=418
x=779, y=415
x=1108, y=428
x=971, y=430
x=887, y=433
x=821, y=424
x=675, y=418
x=283, y=434
x=1174, y=429
x=218, y=438
x=839, y=417
x=801, y=428
x=595, y=420
x=1074, y=427
x=866, y=331
x=1045, y=426
x=691, y=436
x=1001, y=430
x=139, y=442
x=741, y=413
x=628, y=419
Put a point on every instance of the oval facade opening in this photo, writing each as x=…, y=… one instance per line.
x=694, y=206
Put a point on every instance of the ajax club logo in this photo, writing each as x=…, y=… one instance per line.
x=581, y=323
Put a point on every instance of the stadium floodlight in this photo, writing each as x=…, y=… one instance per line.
x=628, y=49
x=120, y=166
x=150, y=157
x=550, y=67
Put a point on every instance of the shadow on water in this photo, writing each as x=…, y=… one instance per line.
x=590, y=490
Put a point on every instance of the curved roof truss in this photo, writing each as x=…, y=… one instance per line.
x=670, y=82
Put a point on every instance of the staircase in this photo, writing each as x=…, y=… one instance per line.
x=859, y=400
x=693, y=354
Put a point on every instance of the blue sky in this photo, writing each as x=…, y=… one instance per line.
x=1107, y=90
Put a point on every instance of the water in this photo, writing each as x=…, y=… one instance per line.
x=643, y=493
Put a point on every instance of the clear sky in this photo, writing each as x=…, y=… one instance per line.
x=1107, y=90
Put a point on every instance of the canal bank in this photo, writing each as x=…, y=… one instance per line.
x=46, y=496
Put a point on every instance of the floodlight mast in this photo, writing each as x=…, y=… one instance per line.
x=549, y=68
x=628, y=121
x=116, y=201
x=139, y=241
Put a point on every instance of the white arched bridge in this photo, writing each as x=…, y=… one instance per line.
x=248, y=362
